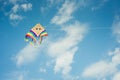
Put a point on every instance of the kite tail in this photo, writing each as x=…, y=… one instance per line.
x=43, y=33
x=40, y=39
x=30, y=37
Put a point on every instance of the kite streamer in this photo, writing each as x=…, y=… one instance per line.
x=30, y=37
x=44, y=33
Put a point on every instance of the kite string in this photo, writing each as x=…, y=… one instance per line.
x=97, y=28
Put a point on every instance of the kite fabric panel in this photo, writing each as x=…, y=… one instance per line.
x=36, y=34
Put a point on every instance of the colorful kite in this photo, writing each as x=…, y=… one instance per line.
x=36, y=34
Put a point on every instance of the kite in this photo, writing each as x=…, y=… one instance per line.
x=36, y=34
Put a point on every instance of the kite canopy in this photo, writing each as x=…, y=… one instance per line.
x=36, y=34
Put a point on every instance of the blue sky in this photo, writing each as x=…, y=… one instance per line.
x=83, y=41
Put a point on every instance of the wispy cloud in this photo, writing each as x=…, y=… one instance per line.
x=64, y=13
x=49, y=4
x=64, y=49
x=15, y=8
x=27, y=55
x=14, y=1
x=101, y=4
x=116, y=27
x=15, y=12
x=26, y=7
x=16, y=75
x=104, y=68
x=100, y=70
x=42, y=70
x=20, y=7
x=116, y=76
x=13, y=16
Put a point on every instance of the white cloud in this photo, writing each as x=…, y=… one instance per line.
x=49, y=63
x=21, y=7
x=99, y=70
x=64, y=61
x=27, y=54
x=15, y=8
x=51, y=1
x=65, y=13
x=116, y=56
x=14, y=1
x=14, y=16
x=116, y=27
x=26, y=7
x=20, y=77
x=16, y=75
x=42, y=9
x=54, y=1
x=115, y=52
x=42, y=70
x=116, y=76
x=102, y=69
x=102, y=3
x=64, y=49
x=49, y=4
